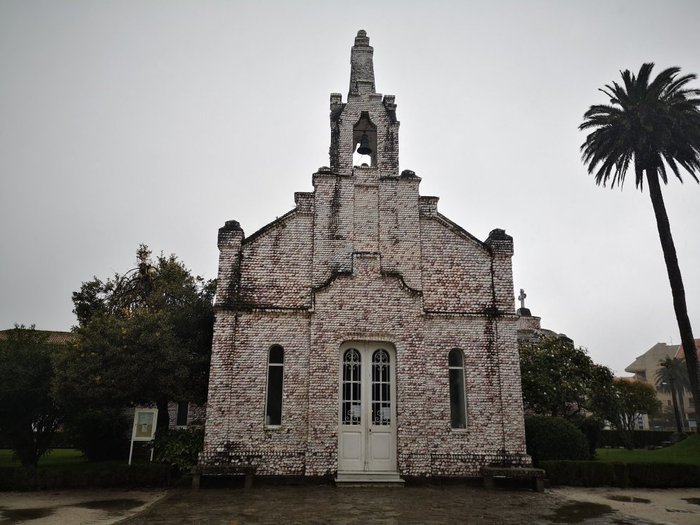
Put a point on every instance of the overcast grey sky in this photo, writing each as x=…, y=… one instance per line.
x=126, y=122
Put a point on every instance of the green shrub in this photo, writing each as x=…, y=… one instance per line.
x=663, y=475
x=621, y=476
x=101, y=434
x=585, y=473
x=598, y=474
x=554, y=438
x=179, y=447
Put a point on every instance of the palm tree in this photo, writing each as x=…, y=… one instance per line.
x=672, y=377
x=654, y=125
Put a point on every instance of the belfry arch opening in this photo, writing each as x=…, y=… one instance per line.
x=364, y=142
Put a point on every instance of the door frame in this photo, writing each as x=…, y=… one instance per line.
x=366, y=348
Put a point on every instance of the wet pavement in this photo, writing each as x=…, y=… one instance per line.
x=316, y=505
x=326, y=504
x=674, y=506
x=74, y=507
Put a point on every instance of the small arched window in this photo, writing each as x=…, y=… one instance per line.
x=458, y=399
x=275, y=376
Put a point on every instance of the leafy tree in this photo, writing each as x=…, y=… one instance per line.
x=672, y=377
x=591, y=427
x=632, y=399
x=654, y=124
x=561, y=380
x=143, y=337
x=29, y=416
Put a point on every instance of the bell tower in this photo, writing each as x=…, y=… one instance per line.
x=365, y=127
x=363, y=208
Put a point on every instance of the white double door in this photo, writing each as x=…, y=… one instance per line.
x=367, y=412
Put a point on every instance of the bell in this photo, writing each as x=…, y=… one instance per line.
x=364, y=148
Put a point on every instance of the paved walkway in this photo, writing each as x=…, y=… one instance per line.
x=74, y=507
x=317, y=505
x=676, y=506
x=329, y=505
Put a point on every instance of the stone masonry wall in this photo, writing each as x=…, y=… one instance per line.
x=275, y=264
x=236, y=419
x=433, y=291
x=456, y=270
x=423, y=285
x=333, y=225
x=370, y=305
x=399, y=228
x=365, y=306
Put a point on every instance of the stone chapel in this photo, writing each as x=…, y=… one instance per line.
x=363, y=335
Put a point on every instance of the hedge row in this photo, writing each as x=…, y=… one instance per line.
x=86, y=475
x=596, y=474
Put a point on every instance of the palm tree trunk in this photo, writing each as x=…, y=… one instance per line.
x=676, y=412
x=677, y=290
x=681, y=406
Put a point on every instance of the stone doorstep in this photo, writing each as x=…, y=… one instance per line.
x=366, y=479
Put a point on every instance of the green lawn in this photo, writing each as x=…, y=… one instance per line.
x=687, y=451
x=58, y=456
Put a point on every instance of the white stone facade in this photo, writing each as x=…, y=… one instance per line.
x=364, y=258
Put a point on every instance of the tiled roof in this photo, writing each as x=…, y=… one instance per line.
x=53, y=337
x=681, y=355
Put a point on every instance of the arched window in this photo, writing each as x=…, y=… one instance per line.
x=352, y=387
x=275, y=375
x=458, y=399
x=381, y=388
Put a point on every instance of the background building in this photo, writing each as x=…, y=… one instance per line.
x=645, y=368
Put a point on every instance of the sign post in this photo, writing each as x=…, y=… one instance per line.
x=144, y=427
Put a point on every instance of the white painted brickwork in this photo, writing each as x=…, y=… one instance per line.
x=364, y=258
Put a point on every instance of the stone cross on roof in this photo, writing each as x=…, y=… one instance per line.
x=522, y=297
